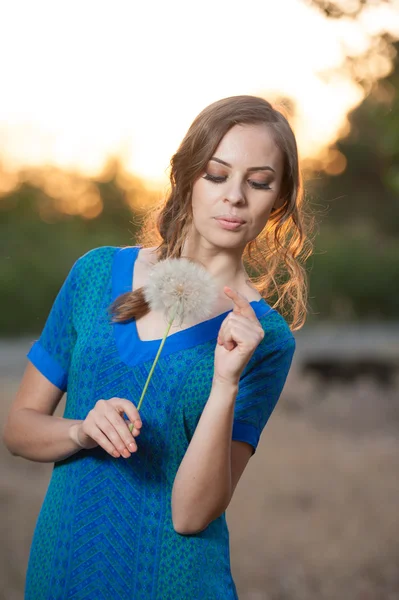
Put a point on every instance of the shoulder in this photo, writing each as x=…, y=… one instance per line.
x=97, y=257
x=275, y=327
x=93, y=266
x=89, y=276
x=99, y=260
x=147, y=256
x=269, y=366
x=279, y=339
x=145, y=259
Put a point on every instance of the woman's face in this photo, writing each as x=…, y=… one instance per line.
x=234, y=196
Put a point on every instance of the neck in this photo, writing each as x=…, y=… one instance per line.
x=224, y=264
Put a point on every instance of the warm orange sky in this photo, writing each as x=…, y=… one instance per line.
x=81, y=80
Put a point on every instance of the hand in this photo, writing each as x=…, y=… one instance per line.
x=239, y=336
x=105, y=426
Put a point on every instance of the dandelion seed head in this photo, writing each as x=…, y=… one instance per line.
x=182, y=285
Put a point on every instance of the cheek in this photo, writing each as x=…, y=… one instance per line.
x=260, y=216
x=202, y=197
x=197, y=202
x=197, y=193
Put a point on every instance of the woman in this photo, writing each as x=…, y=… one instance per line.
x=141, y=514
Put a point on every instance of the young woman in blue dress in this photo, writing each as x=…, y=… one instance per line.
x=235, y=206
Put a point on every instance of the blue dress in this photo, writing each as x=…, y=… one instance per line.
x=105, y=529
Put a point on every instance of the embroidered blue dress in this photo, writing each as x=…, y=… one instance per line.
x=105, y=529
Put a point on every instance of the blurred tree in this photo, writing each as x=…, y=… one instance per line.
x=36, y=255
x=375, y=60
x=356, y=259
x=366, y=195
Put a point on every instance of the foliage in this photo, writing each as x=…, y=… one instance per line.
x=357, y=250
x=367, y=191
x=353, y=276
x=367, y=66
x=36, y=256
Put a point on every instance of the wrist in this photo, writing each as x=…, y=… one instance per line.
x=225, y=386
x=73, y=434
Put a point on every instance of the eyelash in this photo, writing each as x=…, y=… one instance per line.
x=254, y=184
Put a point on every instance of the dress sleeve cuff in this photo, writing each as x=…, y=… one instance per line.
x=47, y=366
x=243, y=432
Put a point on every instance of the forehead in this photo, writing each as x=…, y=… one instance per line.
x=249, y=146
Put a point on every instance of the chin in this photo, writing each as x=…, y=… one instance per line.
x=226, y=241
x=216, y=237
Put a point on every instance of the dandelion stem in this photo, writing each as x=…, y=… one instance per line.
x=156, y=360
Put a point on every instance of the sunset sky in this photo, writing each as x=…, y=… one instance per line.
x=83, y=80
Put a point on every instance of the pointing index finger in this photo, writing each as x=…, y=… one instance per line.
x=241, y=304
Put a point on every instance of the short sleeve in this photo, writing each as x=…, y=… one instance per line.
x=259, y=390
x=51, y=354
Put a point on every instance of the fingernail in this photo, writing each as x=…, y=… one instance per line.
x=132, y=447
x=116, y=454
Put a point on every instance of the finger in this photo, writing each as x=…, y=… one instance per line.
x=228, y=343
x=225, y=337
x=241, y=304
x=120, y=406
x=134, y=428
x=122, y=429
x=126, y=406
x=108, y=429
x=101, y=439
x=137, y=426
x=246, y=325
x=238, y=331
x=106, y=416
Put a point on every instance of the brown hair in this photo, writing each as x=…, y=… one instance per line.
x=274, y=258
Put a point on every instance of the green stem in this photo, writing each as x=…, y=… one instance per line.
x=155, y=361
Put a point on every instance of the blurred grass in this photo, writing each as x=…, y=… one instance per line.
x=315, y=516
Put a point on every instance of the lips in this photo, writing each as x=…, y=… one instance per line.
x=230, y=219
x=229, y=222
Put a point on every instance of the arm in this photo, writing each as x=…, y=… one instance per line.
x=213, y=464
x=31, y=430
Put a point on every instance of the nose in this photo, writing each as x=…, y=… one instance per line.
x=234, y=194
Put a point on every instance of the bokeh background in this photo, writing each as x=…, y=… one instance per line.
x=94, y=99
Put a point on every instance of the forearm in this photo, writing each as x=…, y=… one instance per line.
x=202, y=487
x=40, y=437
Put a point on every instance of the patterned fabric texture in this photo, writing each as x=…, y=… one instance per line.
x=105, y=529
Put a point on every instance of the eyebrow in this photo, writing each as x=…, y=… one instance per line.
x=222, y=162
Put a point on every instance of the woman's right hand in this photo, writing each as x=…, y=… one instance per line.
x=105, y=426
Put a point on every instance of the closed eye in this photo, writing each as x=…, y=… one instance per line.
x=256, y=185
x=214, y=178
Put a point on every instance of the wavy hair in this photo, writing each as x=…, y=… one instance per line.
x=275, y=259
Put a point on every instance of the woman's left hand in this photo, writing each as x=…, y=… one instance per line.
x=239, y=336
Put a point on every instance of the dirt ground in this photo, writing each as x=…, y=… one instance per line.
x=315, y=516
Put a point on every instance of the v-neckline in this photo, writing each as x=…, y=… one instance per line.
x=131, y=347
